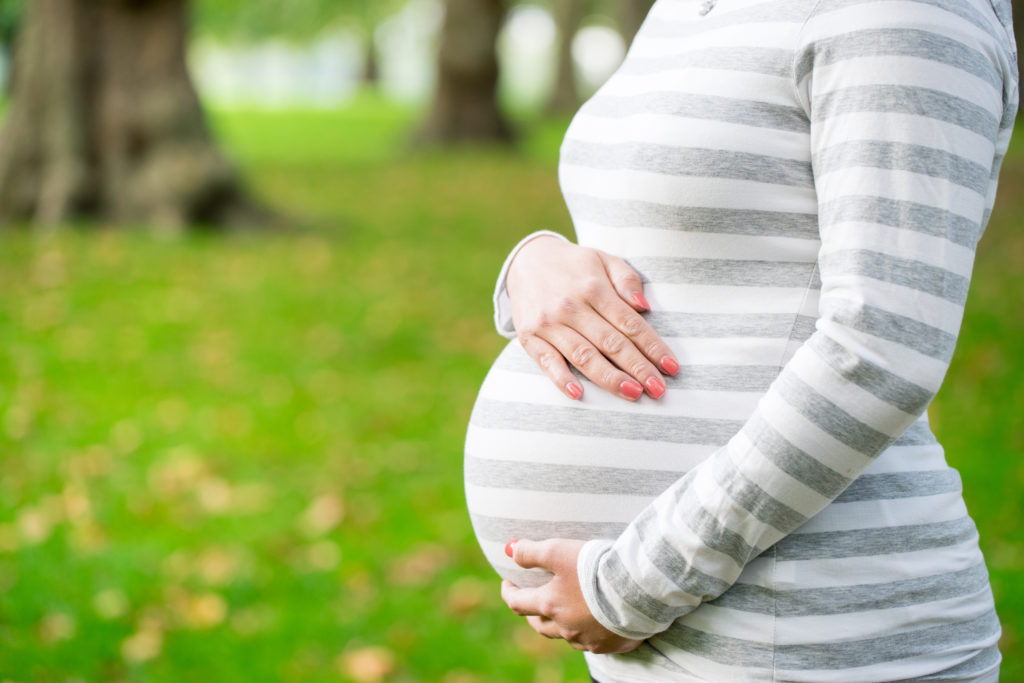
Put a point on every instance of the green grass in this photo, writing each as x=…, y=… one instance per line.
x=238, y=458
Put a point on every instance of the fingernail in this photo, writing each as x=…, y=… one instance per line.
x=631, y=389
x=655, y=387
x=669, y=365
x=509, y=547
x=574, y=390
x=639, y=300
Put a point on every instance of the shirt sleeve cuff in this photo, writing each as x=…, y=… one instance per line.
x=502, y=306
x=586, y=569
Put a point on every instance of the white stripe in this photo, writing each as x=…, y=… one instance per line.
x=909, y=71
x=902, y=186
x=635, y=241
x=727, y=300
x=553, y=506
x=740, y=85
x=855, y=571
x=907, y=128
x=537, y=390
x=876, y=623
x=906, y=244
x=695, y=191
x=562, y=449
x=880, y=514
x=677, y=131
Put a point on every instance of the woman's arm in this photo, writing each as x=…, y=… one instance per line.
x=911, y=108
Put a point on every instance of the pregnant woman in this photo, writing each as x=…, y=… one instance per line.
x=741, y=484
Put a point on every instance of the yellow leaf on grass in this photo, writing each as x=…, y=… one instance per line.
x=367, y=664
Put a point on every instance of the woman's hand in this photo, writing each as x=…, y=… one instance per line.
x=557, y=609
x=583, y=305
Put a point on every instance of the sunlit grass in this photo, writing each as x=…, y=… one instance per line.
x=239, y=457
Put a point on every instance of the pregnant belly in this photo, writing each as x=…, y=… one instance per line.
x=539, y=465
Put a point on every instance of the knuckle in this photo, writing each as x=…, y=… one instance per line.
x=546, y=360
x=632, y=325
x=638, y=369
x=566, y=306
x=583, y=355
x=591, y=287
x=613, y=343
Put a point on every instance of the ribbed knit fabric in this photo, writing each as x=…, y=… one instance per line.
x=801, y=184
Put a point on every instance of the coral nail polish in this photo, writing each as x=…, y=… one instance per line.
x=655, y=387
x=574, y=390
x=669, y=365
x=508, y=548
x=641, y=301
x=631, y=389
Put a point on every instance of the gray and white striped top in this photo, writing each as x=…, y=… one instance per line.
x=802, y=184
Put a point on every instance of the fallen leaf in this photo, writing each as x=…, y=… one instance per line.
x=367, y=664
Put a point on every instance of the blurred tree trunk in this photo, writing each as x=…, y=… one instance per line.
x=565, y=98
x=465, y=106
x=104, y=121
x=631, y=14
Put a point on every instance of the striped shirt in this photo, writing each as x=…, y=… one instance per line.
x=802, y=184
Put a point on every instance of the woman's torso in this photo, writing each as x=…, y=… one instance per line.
x=693, y=163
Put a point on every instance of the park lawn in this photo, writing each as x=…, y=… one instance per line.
x=238, y=457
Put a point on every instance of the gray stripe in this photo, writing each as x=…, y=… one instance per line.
x=684, y=161
x=688, y=105
x=613, y=573
x=620, y=213
x=904, y=99
x=724, y=272
x=829, y=417
x=957, y=7
x=803, y=327
x=898, y=271
x=858, y=598
x=898, y=156
x=711, y=531
x=760, y=60
x=889, y=387
x=745, y=378
x=722, y=649
x=913, y=334
x=577, y=478
x=901, y=214
x=705, y=325
x=894, y=485
x=879, y=541
x=793, y=461
x=754, y=499
x=671, y=563
x=918, y=434
x=599, y=423
x=505, y=529
x=980, y=663
x=899, y=42
x=858, y=653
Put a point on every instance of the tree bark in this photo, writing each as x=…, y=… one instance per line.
x=465, y=106
x=631, y=14
x=565, y=98
x=104, y=121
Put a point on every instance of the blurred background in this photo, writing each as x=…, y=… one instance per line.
x=246, y=255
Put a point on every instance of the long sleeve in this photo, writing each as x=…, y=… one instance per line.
x=910, y=106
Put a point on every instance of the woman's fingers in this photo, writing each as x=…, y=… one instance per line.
x=584, y=356
x=629, y=286
x=552, y=362
x=626, y=281
x=584, y=306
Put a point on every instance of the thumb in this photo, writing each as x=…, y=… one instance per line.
x=627, y=282
x=527, y=554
